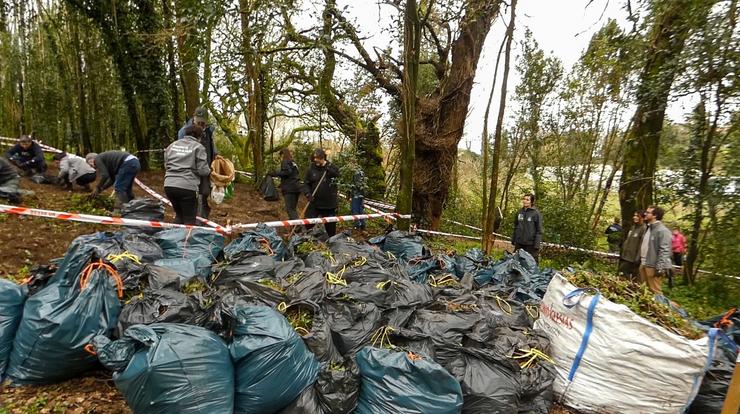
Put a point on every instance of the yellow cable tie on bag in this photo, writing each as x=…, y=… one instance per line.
x=533, y=311
x=499, y=300
x=113, y=258
x=336, y=279
x=282, y=307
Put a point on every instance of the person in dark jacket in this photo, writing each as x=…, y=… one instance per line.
x=200, y=118
x=9, y=179
x=117, y=169
x=528, y=228
x=27, y=155
x=614, y=236
x=322, y=189
x=357, y=196
x=185, y=165
x=629, y=258
x=290, y=184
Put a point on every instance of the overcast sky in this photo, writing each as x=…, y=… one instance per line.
x=562, y=27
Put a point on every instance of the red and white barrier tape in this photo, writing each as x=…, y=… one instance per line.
x=441, y=233
x=89, y=218
x=167, y=202
x=318, y=220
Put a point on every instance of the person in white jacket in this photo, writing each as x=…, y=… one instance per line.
x=74, y=169
x=185, y=163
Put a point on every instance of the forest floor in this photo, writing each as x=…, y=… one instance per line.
x=26, y=241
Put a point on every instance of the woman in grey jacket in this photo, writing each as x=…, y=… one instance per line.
x=185, y=163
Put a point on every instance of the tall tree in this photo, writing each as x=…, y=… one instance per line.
x=539, y=76
x=488, y=238
x=441, y=111
x=411, y=45
x=711, y=72
x=670, y=26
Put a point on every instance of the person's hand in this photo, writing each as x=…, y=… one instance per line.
x=662, y=272
x=95, y=193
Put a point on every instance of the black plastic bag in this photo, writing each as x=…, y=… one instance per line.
x=272, y=364
x=12, y=297
x=39, y=276
x=490, y=382
x=444, y=326
x=60, y=320
x=161, y=277
x=352, y=323
x=143, y=209
x=261, y=240
x=398, y=382
x=170, y=368
x=309, y=284
x=245, y=269
x=714, y=386
x=268, y=189
x=157, y=306
x=403, y=245
x=317, y=337
x=338, y=387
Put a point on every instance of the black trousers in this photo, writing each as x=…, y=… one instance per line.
x=331, y=228
x=291, y=201
x=185, y=204
x=86, y=179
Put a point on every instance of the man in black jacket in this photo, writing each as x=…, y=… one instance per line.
x=322, y=190
x=27, y=155
x=117, y=169
x=528, y=228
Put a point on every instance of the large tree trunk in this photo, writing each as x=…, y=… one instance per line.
x=188, y=46
x=86, y=142
x=408, y=136
x=172, y=68
x=669, y=33
x=441, y=117
x=488, y=239
x=255, y=111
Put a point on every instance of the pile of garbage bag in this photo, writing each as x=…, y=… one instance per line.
x=307, y=325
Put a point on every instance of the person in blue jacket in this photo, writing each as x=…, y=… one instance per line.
x=28, y=156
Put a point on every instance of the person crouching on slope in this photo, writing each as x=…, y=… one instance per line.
x=117, y=169
x=74, y=169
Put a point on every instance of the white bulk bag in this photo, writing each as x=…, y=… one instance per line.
x=618, y=362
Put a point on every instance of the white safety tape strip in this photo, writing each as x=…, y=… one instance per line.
x=89, y=218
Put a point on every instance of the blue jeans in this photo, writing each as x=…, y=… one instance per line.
x=358, y=207
x=125, y=178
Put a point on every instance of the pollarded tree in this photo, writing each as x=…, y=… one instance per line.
x=455, y=32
